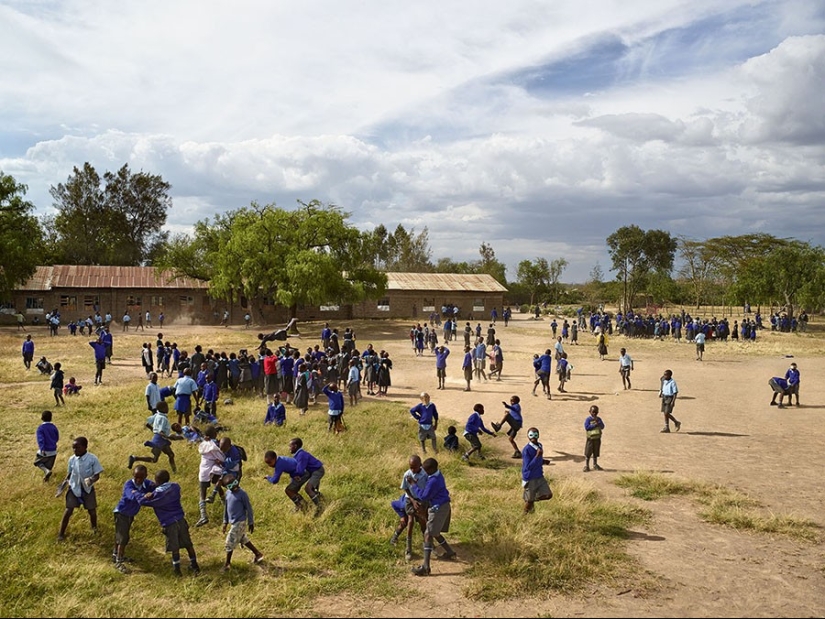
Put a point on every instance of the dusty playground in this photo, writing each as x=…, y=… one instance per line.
x=729, y=436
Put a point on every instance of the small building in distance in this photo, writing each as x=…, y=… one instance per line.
x=417, y=295
x=77, y=291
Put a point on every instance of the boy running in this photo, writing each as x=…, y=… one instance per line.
x=47, y=437
x=238, y=513
x=512, y=416
x=125, y=512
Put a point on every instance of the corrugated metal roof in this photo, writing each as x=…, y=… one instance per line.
x=447, y=282
x=88, y=276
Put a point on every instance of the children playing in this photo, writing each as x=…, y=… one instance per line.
x=165, y=500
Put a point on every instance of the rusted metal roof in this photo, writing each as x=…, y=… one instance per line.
x=91, y=277
x=446, y=282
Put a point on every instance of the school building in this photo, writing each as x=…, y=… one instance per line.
x=76, y=291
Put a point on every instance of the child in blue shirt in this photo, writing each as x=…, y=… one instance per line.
x=275, y=412
x=47, y=437
x=472, y=429
x=512, y=416
x=238, y=513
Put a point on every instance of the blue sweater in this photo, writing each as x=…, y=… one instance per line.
x=47, y=436
x=425, y=415
x=531, y=462
x=475, y=424
x=238, y=508
x=306, y=462
x=435, y=492
x=283, y=464
x=165, y=501
x=129, y=504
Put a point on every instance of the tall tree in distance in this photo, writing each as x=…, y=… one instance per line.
x=20, y=236
x=115, y=220
x=535, y=277
x=635, y=254
x=490, y=265
x=556, y=268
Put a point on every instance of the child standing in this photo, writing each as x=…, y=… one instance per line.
x=336, y=408
x=238, y=513
x=593, y=425
x=57, y=385
x=47, y=437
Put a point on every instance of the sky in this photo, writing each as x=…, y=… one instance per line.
x=536, y=127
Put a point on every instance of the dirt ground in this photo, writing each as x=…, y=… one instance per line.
x=730, y=435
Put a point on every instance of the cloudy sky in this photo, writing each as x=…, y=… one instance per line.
x=539, y=127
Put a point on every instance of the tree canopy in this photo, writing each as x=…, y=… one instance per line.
x=115, y=220
x=636, y=254
x=20, y=236
x=310, y=255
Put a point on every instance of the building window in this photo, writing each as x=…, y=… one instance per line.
x=133, y=301
x=269, y=300
x=244, y=302
x=157, y=301
x=91, y=302
x=478, y=305
x=429, y=306
x=186, y=301
x=68, y=303
x=206, y=303
x=34, y=303
x=330, y=307
x=384, y=305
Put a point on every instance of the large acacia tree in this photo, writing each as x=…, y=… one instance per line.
x=20, y=236
x=310, y=255
x=117, y=219
x=636, y=254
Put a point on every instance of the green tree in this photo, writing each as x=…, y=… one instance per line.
x=534, y=275
x=115, y=220
x=400, y=251
x=791, y=274
x=490, y=265
x=556, y=268
x=20, y=236
x=637, y=253
x=310, y=255
x=700, y=267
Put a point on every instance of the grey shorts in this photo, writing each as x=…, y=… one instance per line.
x=468, y=373
x=537, y=488
x=667, y=404
x=480, y=364
x=237, y=535
x=473, y=440
x=177, y=536
x=423, y=434
x=314, y=478
x=438, y=519
x=441, y=372
x=86, y=499
x=593, y=447
x=123, y=524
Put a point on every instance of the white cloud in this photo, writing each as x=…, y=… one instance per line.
x=400, y=114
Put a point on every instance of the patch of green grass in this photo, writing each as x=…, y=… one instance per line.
x=574, y=539
x=720, y=505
